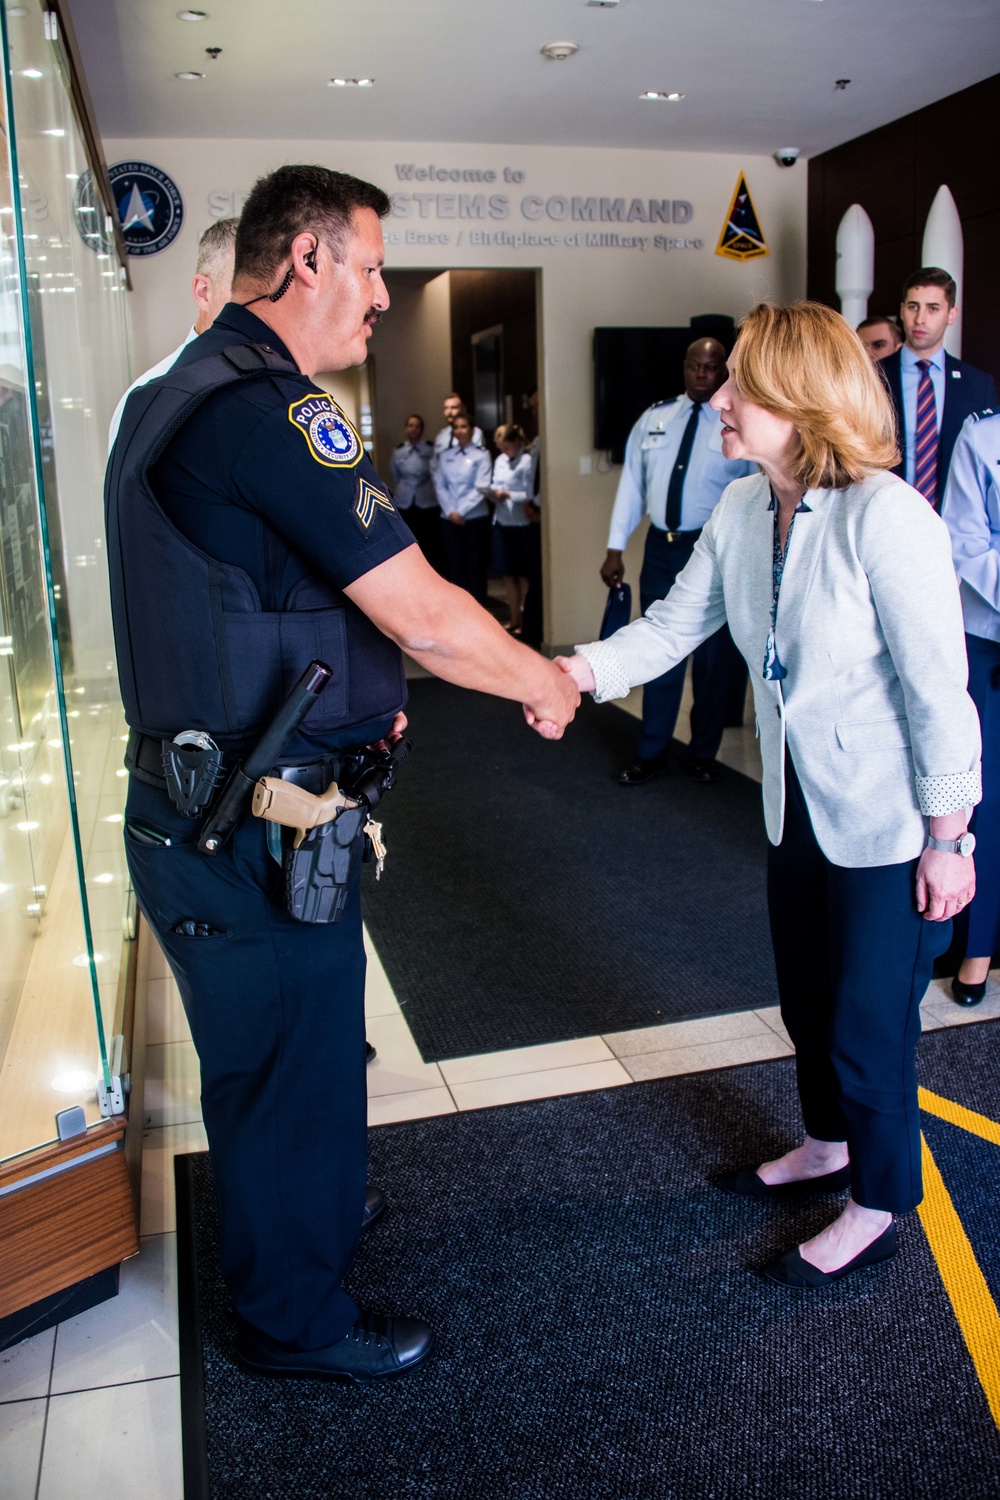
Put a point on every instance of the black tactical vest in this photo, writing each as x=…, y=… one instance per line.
x=195, y=650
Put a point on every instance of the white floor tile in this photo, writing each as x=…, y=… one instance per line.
x=726, y=1028
x=131, y=1337
x=546, y=1084
x=121, y=1438
x=159, y=1147
x=165, y=1018
x=698, y=1059
x=388, y=1109
x=771, y=1016
x=587, y=1049
x=158, y=966
x=21, y=1427
x=930, y=1020
x=172, y=1089
x=399, y=1068
x=25, y=1369
x=379, y=997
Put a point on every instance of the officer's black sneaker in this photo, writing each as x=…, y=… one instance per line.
x=374, y=1207
x=376, y=1347
x=370, y=1053
x=706, y=772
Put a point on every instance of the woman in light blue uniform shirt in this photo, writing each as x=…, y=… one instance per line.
x=462, y=482
x=413, y=491
x=513, y=472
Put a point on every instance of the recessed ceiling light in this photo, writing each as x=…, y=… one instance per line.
x=192, y=15
x=32, y=73
x=657, y=94
x=559, y=51
x=350, y=83
x=188, y=75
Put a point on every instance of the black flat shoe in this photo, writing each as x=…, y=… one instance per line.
x=375, y=1348
x=746, y=1184
x=375, y=1205
x=967, y=994
x=703, y=771
x=641, y=771
x=796, y=1274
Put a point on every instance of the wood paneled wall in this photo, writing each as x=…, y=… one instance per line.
x=894, y=173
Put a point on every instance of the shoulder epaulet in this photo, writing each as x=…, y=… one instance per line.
x=987, y=411
x=667, y=401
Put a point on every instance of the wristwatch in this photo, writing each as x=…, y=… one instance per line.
x=963, y=846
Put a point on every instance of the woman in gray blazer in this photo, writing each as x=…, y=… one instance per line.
x=836, y=580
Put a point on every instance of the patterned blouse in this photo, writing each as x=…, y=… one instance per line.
x=773, y=668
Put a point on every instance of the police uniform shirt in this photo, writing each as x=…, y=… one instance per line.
x=513, y=475
x=650, y=455
x=269, y=476
x=909, y=377
x=446, y=439
x=462, y=474
x=971, y=512
x=411, y=476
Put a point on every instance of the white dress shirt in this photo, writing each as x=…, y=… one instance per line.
x=151, y=374
x=971, y=512
x=411, y=476
x=514, y=475
x=910, y=378
x=650, y=455
x=461, y=476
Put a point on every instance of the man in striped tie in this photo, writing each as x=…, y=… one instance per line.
x=931, y=391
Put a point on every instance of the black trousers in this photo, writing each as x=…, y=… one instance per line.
x=713, y=666
x=276, y=1009
x=853, y=958
x=468, y=553
x=425, y=524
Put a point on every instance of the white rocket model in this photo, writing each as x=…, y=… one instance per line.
x=944, y=246
x=855, y=264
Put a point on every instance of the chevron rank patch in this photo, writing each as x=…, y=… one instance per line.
x=329, y=436
x=369, y=500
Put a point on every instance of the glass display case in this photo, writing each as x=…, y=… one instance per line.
x=65, y=915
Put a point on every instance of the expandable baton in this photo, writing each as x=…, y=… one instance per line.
x=239, y=788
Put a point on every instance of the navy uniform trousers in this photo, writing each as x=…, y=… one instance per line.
x=854, y=958
x=276, y=1009
x=977, y=929
x=714, y=667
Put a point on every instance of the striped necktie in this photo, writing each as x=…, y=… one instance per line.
x=925, y=467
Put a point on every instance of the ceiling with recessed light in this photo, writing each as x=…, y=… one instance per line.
x=753, y=74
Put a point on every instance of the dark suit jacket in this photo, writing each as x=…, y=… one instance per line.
x=966, y=391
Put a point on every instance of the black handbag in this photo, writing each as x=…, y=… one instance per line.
x=617, y=611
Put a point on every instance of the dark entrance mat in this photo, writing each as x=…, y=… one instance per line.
x=529, y=899
x=600, y=1336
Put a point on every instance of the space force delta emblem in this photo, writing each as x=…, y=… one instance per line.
x=329, y=436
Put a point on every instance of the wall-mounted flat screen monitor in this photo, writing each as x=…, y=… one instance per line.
x=634, y=367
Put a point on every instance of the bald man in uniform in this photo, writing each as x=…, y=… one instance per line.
x=675, y=473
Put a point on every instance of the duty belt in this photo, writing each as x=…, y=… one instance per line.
x=688, y=537
x=144, y=760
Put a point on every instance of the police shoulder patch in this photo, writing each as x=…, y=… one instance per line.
x=368, y=501
x=329, y=436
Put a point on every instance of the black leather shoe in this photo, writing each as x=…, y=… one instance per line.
x=967, y=994
x=375, y=1204
x=796, y=1274
x=746, y=1184
x=641, y=771
x=705, y=772
x=375, y=1348
x=370, y=1053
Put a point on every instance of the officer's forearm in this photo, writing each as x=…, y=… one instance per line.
x=445, y=630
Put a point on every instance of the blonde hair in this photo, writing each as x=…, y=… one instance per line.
x=509, y=432
x=805, y=364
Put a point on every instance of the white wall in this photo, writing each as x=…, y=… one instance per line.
x=582, y=286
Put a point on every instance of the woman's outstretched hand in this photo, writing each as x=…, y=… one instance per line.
x=579, y=668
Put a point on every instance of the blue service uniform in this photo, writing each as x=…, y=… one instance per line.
x=257, y=514
x=460, y=478
x=652, y=451
x=416, y=499
x=971, y=512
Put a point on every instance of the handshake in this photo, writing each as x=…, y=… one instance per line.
x=552, y=707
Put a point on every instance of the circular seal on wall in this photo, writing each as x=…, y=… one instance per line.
x=149, y=206
x=89, y=215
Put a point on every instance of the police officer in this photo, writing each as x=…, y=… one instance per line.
x=462, y=479
x=247, y=534
x=675, y=473
x=971, y=512
x=413, y=490
x=454, y=407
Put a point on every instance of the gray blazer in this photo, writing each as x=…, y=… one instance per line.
x=874, y=707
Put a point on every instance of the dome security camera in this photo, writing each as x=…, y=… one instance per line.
x=787, y=156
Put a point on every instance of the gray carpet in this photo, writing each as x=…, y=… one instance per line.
x=527, y=898
x=601, y=1334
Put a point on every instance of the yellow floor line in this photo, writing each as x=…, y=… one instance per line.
x=957, y=1114
x=963, y=1280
